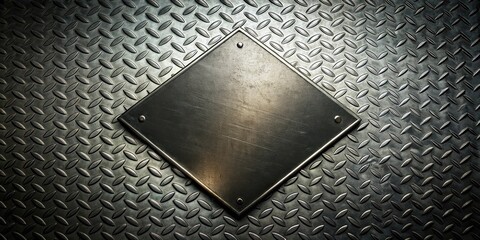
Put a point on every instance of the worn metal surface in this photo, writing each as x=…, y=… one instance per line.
x=239, y=121
x=409, y=69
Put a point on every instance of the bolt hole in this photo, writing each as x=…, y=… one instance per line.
x=239, y=201
x=141, y=118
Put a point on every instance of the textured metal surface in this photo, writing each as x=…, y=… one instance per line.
x=409, y=69
x=239, y=121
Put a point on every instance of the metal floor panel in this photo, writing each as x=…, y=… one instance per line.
x=409, y=69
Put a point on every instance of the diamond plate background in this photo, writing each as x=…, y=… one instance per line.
x=409, y=69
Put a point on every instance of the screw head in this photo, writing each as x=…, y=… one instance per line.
x=240, y=45
x=239, y=201
x=141, y=118
x=338, y=119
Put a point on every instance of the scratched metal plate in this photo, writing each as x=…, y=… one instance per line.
x=408, y=69
x=239, y=121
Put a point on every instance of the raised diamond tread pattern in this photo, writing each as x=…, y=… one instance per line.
x=408, y=69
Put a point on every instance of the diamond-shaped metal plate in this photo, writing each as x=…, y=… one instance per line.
x=239, y=121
